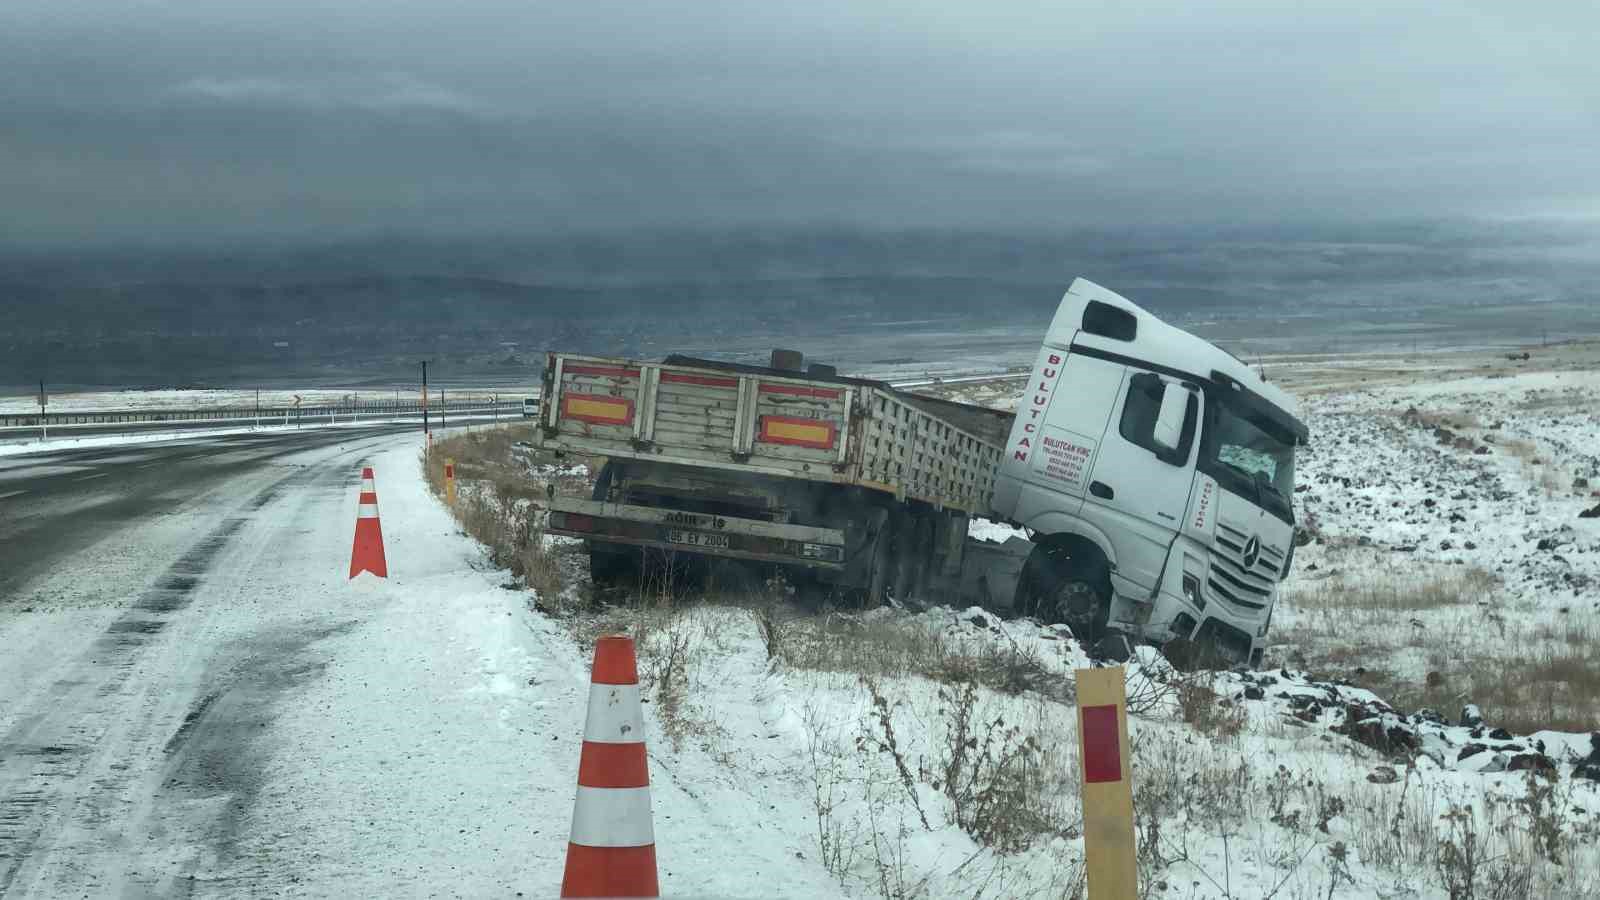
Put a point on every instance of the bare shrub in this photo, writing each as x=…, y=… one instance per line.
x=830, y=775
x=1003, y=787
x=1205, y=710
x=771, y=630
x=667, y=659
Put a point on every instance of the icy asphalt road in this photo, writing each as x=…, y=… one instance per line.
x=129, y=679
x=156, y=602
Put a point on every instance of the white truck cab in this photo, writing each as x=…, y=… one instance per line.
x=1154, y=473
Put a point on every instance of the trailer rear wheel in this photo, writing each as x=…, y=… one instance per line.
x=878, y=580
x=610, y=568
x=913, y=556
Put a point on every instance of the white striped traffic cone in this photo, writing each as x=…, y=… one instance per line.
x=366, y=554
x=612, y=852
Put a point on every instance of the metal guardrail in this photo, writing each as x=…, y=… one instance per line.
x=277, y=415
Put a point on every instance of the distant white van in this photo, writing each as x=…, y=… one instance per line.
x=530, y=408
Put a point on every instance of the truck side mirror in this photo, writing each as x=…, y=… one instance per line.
x=1168, y=434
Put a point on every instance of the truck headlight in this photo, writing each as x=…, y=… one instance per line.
x=1191, y=590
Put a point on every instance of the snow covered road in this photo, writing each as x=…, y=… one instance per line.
x=160, y=631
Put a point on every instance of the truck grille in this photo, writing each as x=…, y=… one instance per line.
x=1247, y=587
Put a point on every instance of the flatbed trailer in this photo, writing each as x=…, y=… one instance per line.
x=846, y=482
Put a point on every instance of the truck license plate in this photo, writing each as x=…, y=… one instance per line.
x=697, y=538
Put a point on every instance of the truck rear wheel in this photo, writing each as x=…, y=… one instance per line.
x=913, y=544
x=1067, y=584
x=877, y=582
x=609, y=568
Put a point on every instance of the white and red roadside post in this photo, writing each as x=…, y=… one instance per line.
x=1108, y=838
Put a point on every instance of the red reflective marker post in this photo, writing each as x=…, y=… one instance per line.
x=1108, y=840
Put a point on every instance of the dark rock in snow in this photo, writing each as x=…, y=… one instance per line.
x=1254, y=693
x=1471, y=716
x=1532, y=762
x=1469, y=751
x=1590, y=513
x=1482, y=451
x=1587, y=771
x=1499, y=734
x=1362, y=726
x=1428, y=715
x=1383, y=775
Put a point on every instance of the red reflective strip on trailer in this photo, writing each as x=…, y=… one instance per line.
x=800, y=390
x=449, y=471
x=705, y=380
x=613, y=371
x=597, y=409
x=798, y=432
x=613, y=765
x=1102, y=748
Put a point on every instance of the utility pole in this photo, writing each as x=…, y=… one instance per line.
x=427, y=434
x=258, y=408
x=44, y=429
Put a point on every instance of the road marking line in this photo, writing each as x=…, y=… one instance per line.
x=11, y=494
x=92, y=477
x=147, y=465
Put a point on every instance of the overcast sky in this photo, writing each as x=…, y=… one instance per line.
x=190, y=120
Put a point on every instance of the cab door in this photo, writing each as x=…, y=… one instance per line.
x=1138, y=491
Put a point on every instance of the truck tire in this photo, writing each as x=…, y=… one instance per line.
x=877, y=582
x=613, y=568
x=1070, y=584
x=913, y=543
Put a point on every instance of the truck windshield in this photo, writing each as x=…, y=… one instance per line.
x=1250, y=455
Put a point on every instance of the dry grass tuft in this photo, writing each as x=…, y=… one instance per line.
x=1442, y=640
x=499, y=504
x=891, y=648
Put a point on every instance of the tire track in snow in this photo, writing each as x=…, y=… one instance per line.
x=134, y=767
x=76, y=714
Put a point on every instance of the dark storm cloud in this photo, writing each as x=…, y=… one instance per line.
x=182, y=120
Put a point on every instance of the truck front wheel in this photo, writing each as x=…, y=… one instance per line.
x=1067, y=584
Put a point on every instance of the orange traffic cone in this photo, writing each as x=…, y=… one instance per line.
x=612, y=852
x=367, y=554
